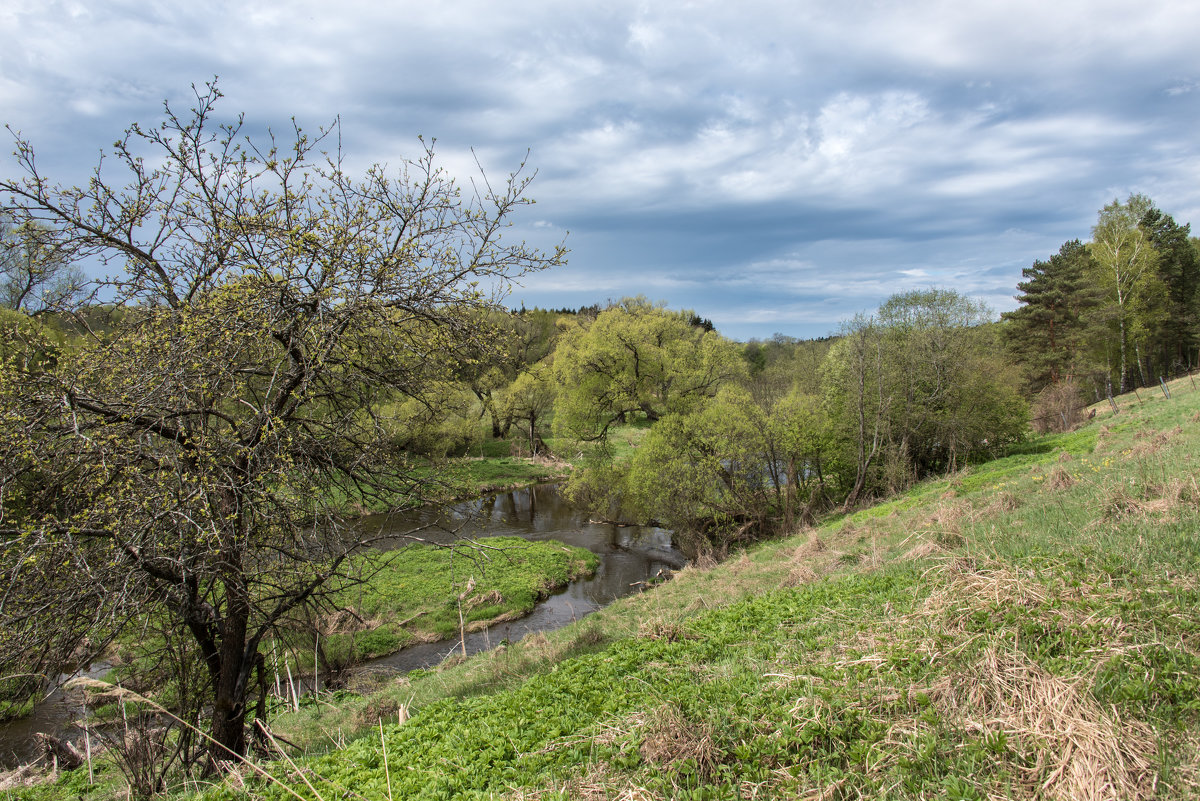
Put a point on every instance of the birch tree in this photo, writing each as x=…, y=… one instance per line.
x=1125, y=262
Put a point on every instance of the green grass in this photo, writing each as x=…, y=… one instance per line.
x=414, y=594
x=469, y=477
x=1024, y=629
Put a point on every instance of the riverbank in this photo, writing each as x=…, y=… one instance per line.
x=413, y=594
x=1024, y=629
x=430, y=593
x=534, y=522
x=498, y=465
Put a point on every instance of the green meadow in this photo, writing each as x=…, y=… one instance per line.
x=1026, y=628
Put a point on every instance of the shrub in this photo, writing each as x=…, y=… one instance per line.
x=1058, y=408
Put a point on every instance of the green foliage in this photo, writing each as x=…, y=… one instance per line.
x=1125, y=272
x=918, y=390
x=421, y=584
x=1049, y=333
x=1179, y=269
x=729, y=470
x=529, y=399
x=632, y=360
x=972, y=674
x=201, y=456
x=440, y=423
x=1122, y=310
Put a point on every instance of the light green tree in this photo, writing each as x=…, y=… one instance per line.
x=198, y=456
x=1126, y=274
x=636, y=359
x=529, y=399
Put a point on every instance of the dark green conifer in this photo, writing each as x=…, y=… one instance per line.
x=1048, y=332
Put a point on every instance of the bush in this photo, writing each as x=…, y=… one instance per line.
x=1058, y=408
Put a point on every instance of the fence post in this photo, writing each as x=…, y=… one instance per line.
x=1166, y=391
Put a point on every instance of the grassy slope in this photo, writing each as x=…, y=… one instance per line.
x=1025, y=629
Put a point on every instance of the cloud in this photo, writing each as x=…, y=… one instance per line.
x=766, y=164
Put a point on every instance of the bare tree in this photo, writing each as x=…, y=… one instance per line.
x=196, y=454
x=34, y=276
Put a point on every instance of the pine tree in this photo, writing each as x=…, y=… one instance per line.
x=1178, y=336
x=1047, y=334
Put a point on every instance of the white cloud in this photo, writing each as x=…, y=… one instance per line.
x=862, y=145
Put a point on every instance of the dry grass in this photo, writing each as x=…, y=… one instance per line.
x=483, y=599
x=923, y=550
x=25, y=776
x=966, y=585
x=660, y=629
x=1060, y=479
x=597, y=783
x=801, y=569
x=740, y=565
x=1074, y=749
x=669, y=738
x=1154, y=498
x=342, y=621
x=1071, y=748
x=383, y=709
x=945, y=522
x=1002, y=502
x=1185, y=778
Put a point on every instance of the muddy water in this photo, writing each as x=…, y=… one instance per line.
x=629, y=556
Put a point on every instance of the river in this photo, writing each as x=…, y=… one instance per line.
x=629, y=557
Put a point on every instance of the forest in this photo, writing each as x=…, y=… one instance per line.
x=277, y=347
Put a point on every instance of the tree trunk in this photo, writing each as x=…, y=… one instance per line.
x=229, y=696
x=1124, y=368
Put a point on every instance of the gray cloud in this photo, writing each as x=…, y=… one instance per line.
x=776, y=167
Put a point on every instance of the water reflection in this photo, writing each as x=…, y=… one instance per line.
x=629, y=557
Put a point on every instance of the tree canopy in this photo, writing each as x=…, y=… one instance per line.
x=197, y=459
x=636, y=358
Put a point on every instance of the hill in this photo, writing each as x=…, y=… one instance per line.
x=1026, y=628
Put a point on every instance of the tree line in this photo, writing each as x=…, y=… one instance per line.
x=1118, y=311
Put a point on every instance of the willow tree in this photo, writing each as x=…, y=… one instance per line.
x=636, y=359
x=195, y=457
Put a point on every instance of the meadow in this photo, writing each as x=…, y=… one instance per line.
x=1023, y=629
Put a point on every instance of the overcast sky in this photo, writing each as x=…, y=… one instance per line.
x=776, y=167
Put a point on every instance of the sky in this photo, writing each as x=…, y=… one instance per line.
x=776, y=167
